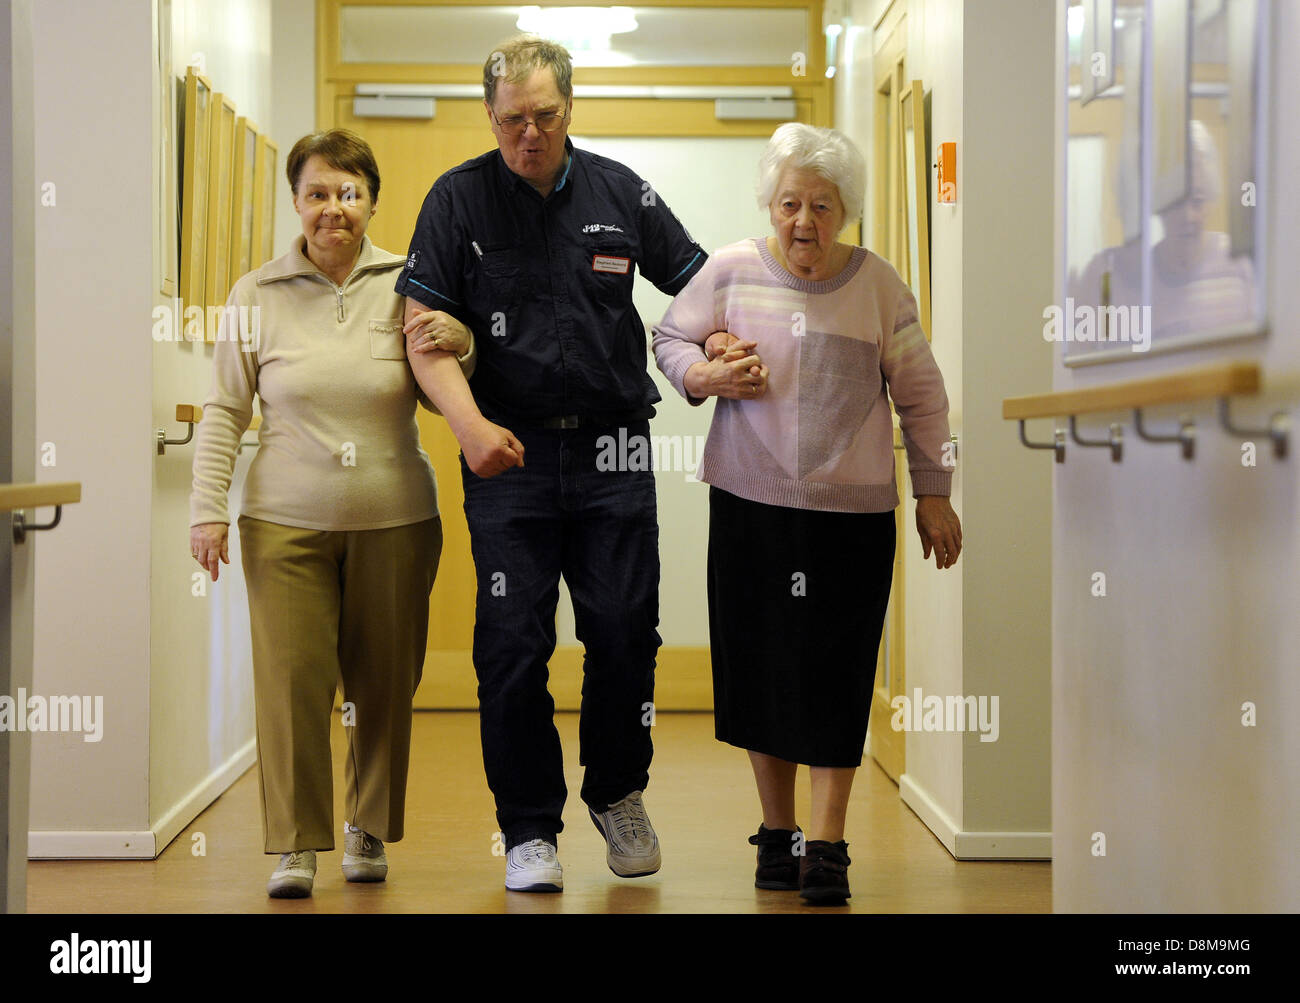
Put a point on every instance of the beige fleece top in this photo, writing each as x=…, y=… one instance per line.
x=339, y=448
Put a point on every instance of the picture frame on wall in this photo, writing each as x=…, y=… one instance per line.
x=1166, y=202
x=220, y=194
x=242, y=222
x=916, y=177
x=264, y=202
x=195, y=187
x=169, y=129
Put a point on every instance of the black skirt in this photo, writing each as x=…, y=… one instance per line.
x=797, y=602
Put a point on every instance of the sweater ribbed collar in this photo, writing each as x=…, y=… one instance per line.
x=296, y=262
x=785, y=277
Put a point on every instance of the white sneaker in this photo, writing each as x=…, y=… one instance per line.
x=363, y=856
x=293, y=878
x=633, y=847
x=532, y=867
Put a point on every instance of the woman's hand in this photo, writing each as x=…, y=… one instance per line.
x=435, y=331
x=717, y=344
x=209, y=545
x=939, y=528
x=737, y=373
x=490, y=449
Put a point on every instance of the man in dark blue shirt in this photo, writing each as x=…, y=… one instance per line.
x=533, y=247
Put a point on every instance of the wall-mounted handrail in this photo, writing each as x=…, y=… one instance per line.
x=191, y=415
x=1221, y=381
x=16, y=497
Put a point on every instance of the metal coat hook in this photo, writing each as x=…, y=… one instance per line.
x=1057, y=443
x=1186, y=433
x=1115, y=442
x=1279, y=428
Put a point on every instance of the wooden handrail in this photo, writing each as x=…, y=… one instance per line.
x=16, y=497
x=1224, y=380
x=193, y=414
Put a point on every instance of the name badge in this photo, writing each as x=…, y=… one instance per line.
x=611, y=263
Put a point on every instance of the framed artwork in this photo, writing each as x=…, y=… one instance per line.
x=241, y=224
x=264, y=202
x=196, y=144
x=220, y=193
x=1166, y=199
x=916, y=177
x=168, y=212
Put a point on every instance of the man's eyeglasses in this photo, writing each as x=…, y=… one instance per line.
x=515, y=125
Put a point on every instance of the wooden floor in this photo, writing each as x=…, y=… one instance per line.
x=701, y=800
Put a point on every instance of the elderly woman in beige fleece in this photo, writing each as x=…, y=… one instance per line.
x=339, y=527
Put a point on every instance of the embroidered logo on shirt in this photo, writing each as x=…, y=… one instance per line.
x=601, y=228
x=611, y=263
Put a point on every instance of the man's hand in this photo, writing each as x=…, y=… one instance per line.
x=490, y=449
x=939, y=528
x=434, y=330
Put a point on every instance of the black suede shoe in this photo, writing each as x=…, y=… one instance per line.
x=824, y=873
x=778, y=867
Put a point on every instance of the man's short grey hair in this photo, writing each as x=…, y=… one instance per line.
x=516, y=59
x=795, y=146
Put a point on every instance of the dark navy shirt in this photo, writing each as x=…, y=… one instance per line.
x=546, y=284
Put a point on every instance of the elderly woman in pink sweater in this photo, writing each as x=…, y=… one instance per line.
x=800, y=336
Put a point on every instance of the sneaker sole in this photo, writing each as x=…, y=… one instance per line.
x=290, y=888
x=365, y=872
x=632, y=867
x=777, y=886
x=538, y=886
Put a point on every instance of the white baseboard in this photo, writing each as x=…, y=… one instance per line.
x=121, y=845
x=61, y=844
x=970, y=845
x=193, y=804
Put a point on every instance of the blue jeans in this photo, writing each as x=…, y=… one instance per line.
x=561, y=515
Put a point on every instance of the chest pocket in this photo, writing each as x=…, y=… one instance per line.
x=387, y=340
x=609, y=261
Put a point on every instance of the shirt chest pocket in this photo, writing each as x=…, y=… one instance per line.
x=387, y=340
x=609, y=264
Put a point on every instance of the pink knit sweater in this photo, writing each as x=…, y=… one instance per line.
x=822, y=436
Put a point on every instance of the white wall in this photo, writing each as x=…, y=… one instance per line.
x=990, y=276
x=1198, y=811
x=115, y=613
x=93, y=394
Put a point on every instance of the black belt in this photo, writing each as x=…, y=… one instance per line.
x=591, y=419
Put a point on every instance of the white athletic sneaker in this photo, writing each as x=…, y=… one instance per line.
x=294, y=877
x=363, y=856
x=532, y=867
x=633, y=847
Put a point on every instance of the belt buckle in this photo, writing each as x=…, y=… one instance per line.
x=567, y=421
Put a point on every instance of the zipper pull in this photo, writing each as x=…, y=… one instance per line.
x=339, y=293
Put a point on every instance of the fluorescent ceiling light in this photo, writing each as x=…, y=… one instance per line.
x=578, y=29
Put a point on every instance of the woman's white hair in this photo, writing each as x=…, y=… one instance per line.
x=795, y=146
